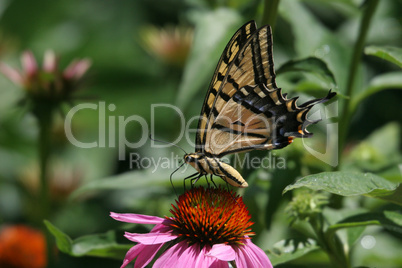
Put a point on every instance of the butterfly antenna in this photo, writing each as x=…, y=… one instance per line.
x=171, y=177
x=166, y=142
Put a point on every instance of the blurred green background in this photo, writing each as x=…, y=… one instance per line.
x=133, y=68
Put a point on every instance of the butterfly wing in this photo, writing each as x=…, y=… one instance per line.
x=258, y=118
x=246, y=60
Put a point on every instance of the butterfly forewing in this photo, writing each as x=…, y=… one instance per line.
x=247, y=60
x=225, y=62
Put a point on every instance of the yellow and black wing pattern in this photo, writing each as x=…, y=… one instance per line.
x=243, y=109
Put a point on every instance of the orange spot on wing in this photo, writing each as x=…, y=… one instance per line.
x=301, y=130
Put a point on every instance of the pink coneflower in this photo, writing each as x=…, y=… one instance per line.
x=171, y=44
x=46, y=83
x=209, y=228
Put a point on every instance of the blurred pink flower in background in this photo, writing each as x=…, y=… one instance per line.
x=46, y=83
x=171, y=44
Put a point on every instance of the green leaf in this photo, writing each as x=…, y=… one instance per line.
x=311, y=38
x=290, y=249
x=99, y=245
x=63, y=241
x=388, y=53
x=388, y=219
x=395, y=217
x=391, y=80
x=378, y=151
x=334, y=216
x=135, y=180
x=353, y=234
x=312, y=65
x=355, y=225
x=210, y=39
x=346, y=184
x=391, y=133
x=395, y=197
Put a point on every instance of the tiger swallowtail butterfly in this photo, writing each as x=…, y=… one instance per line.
x=244, y=110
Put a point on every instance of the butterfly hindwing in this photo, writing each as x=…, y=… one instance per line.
x=258, y=118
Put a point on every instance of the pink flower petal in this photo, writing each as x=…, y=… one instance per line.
x=147, y=255
x=260, y=255
x=143, y=253
x=132, y=253
x=250, y=255
x=187, y=258
x=136, y=218
x=244, y=261
x=12, y=74
x=163, y=227
x=170, y=258
x=50, y=61
x=150, y=238
x=193, y=257
x=222, y=252
x=182, y=255
x=203, y=260
x=219, y=264
x=29, y=63
x=76, y=69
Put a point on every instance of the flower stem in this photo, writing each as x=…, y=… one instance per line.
x=270, y=12
x=333, y=248
x=44, y=115
x=356, y=57
x=44, y=152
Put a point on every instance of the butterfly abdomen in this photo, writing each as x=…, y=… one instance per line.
x=210, y=165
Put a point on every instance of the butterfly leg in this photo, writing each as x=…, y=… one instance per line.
x=206, y=178
x=191, y=178
x=227, y=185
x=194, y=180
x=212, y=180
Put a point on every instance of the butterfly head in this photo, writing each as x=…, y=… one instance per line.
x=190, y=158
x=194, y=159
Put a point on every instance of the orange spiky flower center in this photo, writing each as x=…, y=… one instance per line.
x=211, y=216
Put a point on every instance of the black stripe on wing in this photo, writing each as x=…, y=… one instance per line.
x=288, y=119
x=258, y=67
